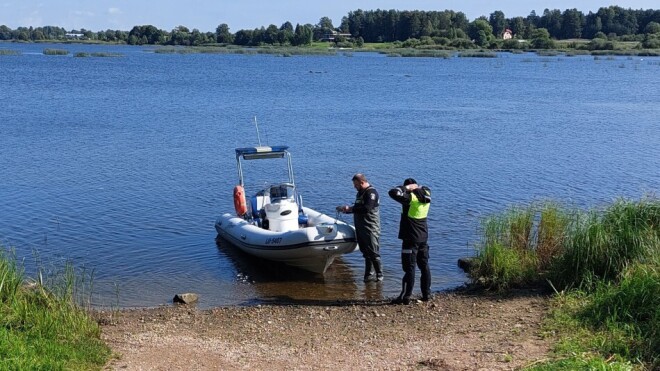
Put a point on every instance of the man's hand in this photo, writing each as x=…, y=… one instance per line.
x=411, y=187
x=343, y=208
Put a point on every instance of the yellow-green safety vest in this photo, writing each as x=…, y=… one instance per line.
x=417, y=209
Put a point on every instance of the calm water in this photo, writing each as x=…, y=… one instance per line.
x=123, y=164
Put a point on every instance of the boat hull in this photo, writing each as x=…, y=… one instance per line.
x=312, y=248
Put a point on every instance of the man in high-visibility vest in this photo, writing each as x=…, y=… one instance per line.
x=414, y=232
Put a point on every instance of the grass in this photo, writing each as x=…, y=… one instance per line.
x=605, y=268
x=46, y=326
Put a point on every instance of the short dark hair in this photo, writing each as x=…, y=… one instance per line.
x=359, y=177
x=409, y=181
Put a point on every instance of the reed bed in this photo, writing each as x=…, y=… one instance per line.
x=48, y=51
x=418, y=53
x=279, y=51
x=477, y=54
x=9, y=52
x=98, y=55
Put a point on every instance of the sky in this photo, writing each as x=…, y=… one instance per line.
x=206, y=15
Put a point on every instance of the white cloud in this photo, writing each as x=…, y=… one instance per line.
x=83, y=13
x=114, y=11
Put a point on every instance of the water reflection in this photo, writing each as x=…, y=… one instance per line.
x=278, y=283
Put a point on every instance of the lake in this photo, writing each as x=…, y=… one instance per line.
x=121, y=165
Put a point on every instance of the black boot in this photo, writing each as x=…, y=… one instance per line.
x=378, y=267
x=368, y=266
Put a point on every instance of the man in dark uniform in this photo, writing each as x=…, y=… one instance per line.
x=414, y=232
x=367, y=226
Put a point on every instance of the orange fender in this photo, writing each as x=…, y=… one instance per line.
x=239, y=200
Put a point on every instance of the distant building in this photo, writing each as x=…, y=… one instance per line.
x=332, y=35
x=508, y=34
x=74, y=36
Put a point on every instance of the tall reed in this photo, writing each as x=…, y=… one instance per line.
x=550, y=234
x=506, y=254
x=599, y=245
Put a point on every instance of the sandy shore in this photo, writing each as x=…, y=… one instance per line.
x=453, y=331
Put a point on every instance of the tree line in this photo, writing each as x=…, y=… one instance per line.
x=447, y=28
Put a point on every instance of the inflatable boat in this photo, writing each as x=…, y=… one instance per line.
x=273, y=224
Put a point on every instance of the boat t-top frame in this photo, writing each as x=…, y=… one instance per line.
x=260, y=153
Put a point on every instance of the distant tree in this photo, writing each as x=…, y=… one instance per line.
x=497, y=23
x=480, y=32
x=600, y=35
x=541, y=39
x=518, y=27
x=270, y=36
x=353, y=23
x=286, y=26
x=533, y=20
x=571, y=24
x=285, y=34
x=651, y=41
x=222, y=34
x=5, y=33
x=593, y=25
x=146, y=35
x=181, y=36
x=197, y=37
x=302, y=35
x=460, y=21
x=244, y=37
x=652, y=28
x=38, y=34
x=323, y=28
x=551, y=21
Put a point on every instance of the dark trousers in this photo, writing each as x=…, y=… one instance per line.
x=369, y=245
x=415, y=254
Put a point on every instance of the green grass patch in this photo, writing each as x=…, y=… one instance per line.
x=48, y=51
x=613, y=328
x=43, y=326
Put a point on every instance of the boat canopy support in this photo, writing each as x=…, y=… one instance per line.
x=261, y=153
